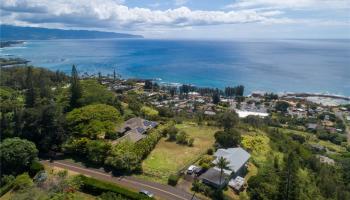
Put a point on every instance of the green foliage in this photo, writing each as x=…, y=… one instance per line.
x=95, y=93
x=97, y=151
x=75, y=89
x=77, y=146
x=228, y=139
x=35, y=167
x=93, y=120
x=182, y=137
x=16, y=155
x=228, y=120
x=122, y=157
x=22, y=181
x=206, y=161
x=282, y=106
x=172, y=132
x=98, y=187
x=111, y=196
x=173, y=179
x=149, y=112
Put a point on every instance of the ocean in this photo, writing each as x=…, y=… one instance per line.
x=317, y=66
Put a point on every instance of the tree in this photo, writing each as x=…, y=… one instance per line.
x=44, y=85
x=282, y=106
x=288, y=188
x=216, y=97
x=228, y=120
x=228, y=139
x=114, y=75
x=30, y=94
x=222, y=164
x=93, y=120
x=16, y=155
x=97, y=151
x=75, y=89
x=122, y=157
x=181, y=137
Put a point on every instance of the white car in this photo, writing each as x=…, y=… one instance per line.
x=147, y=193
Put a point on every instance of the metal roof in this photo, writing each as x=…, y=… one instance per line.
x=237, y=157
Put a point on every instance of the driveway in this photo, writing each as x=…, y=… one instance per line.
x=159, y=190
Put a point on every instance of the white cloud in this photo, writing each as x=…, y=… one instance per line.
x=113, y=15
x=296, y=4
x=180, y=2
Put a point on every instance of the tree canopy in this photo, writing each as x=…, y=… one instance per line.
x=16, y=155
x=93, y=120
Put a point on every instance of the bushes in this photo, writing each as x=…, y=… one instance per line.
x=173, y=179
x=35, y=167
x=98, y=187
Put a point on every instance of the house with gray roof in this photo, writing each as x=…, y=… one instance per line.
x=237, y=159
x=136, y=129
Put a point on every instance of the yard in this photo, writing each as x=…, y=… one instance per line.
x=168, y=157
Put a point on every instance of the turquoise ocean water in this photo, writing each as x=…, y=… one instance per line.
x=321, y=66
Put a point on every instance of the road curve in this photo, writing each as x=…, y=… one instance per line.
x=159, y=190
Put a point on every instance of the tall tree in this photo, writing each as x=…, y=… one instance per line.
x=75, y=89
x=216, y=97
x=288, y=187
x=228, y=120
x=222, y=164
x=44, y=85
x=30, y=95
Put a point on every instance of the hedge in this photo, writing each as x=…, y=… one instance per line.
x=173, y=179
x=4, y=189
x=97, y=187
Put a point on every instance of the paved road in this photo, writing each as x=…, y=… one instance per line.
x=159, y=190
x=347, y=128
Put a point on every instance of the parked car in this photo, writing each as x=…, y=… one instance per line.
x=147, y=193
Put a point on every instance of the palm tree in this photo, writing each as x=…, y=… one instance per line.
x=222, y=164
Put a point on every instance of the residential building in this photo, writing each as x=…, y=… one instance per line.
x=136, y=128
x=237, y=159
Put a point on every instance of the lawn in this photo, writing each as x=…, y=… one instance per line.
x=168, y=157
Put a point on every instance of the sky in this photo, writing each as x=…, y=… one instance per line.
x=193, y=19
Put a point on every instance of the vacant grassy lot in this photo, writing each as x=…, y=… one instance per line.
x=169, y=157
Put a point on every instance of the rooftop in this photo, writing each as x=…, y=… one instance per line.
x=237, y=157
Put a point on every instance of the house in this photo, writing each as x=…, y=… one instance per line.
x=326, y=160
x=312, y=126
x=348, y=118
x=136, y=128
x=236, y=158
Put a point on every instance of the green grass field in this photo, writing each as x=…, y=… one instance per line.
x=169, y=157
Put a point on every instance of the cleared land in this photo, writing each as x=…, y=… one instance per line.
x=168, y=157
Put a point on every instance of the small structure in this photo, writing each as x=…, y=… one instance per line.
x=348, y=118
x=326, y=160
x=312, y=126
x=135, y=129
x=236, y=183
x=236, y=158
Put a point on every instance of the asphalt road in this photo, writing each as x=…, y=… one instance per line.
x=159, y=190
x=347, y=128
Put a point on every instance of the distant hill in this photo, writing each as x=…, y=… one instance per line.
x=9, y=32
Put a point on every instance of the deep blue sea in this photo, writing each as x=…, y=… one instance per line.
x=321, y=66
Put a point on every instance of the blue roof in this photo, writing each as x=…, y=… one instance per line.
x=140, y=130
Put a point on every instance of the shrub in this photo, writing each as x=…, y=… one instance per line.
x=35, y=167
x=181, y=138
x=22, y=181
x=98, y=187
x=173, y=179
x=210, y=151
x=190, y=142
